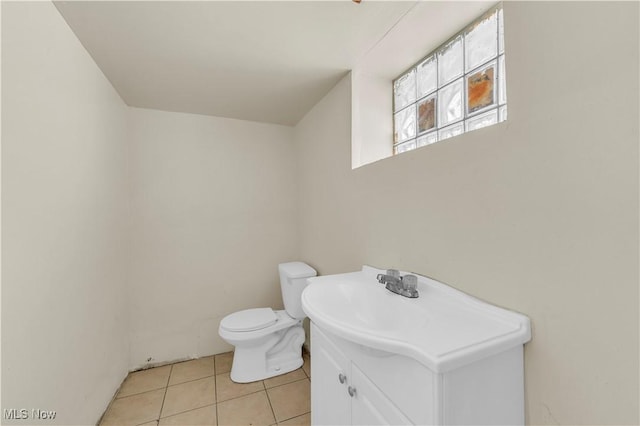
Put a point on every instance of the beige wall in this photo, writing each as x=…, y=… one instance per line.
x=538, y=214
x=213, y=213
x=64, y=200
x=128, y=233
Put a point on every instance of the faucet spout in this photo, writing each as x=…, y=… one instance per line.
x=389, y=279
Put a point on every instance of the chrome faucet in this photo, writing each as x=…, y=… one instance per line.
x=405, y=286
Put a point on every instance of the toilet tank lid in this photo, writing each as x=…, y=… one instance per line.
x=297, y=270
x=249, y=319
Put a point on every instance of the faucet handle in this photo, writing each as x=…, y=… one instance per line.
x=393, y=273
x=410, y=282
x=410, y=285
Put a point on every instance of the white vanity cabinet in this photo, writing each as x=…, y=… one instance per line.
x=330, y=369
x=343, y=393
x=355, y=385
x=444, y=358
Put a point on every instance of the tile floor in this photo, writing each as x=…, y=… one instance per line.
x=200, y=392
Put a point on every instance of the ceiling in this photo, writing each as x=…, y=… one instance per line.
x=265, y=61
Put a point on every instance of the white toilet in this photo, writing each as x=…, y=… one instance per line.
x=267, y=342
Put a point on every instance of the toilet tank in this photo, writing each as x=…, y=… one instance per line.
x=293, y=279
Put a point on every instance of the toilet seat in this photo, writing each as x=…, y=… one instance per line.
x=283, y=321
x=249, y=320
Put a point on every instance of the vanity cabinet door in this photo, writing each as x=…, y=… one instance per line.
x=370, y=406
x=330, y=372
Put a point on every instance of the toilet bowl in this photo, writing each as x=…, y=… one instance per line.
x=269, y=342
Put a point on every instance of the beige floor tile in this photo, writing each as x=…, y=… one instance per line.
x=251, y=409
x=292, y=376
x=200, y=416
x=307, y=364
x=227, y=389
x=144, y=381
x=189, y=395
x=135, y=409
x=303, y=420
x=291, y=400
x=153, y=423
x=223, y=362
x=191, y=370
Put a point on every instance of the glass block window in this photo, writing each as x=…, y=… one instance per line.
x=457, y=88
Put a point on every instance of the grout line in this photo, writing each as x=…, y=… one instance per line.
x=215, y=393
x=139, y=393
x=299, y=415
x=140, y=424
x=271, y=406
x=191, y=409
x=192, y=380
x=169, y=376
x=305, y=372
x=288, y=383
x=242, y=396
x=165, y=394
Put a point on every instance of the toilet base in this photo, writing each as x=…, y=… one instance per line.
x=279, y=354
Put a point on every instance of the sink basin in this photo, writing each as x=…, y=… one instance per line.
x=443, y=328
x=361, y=306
